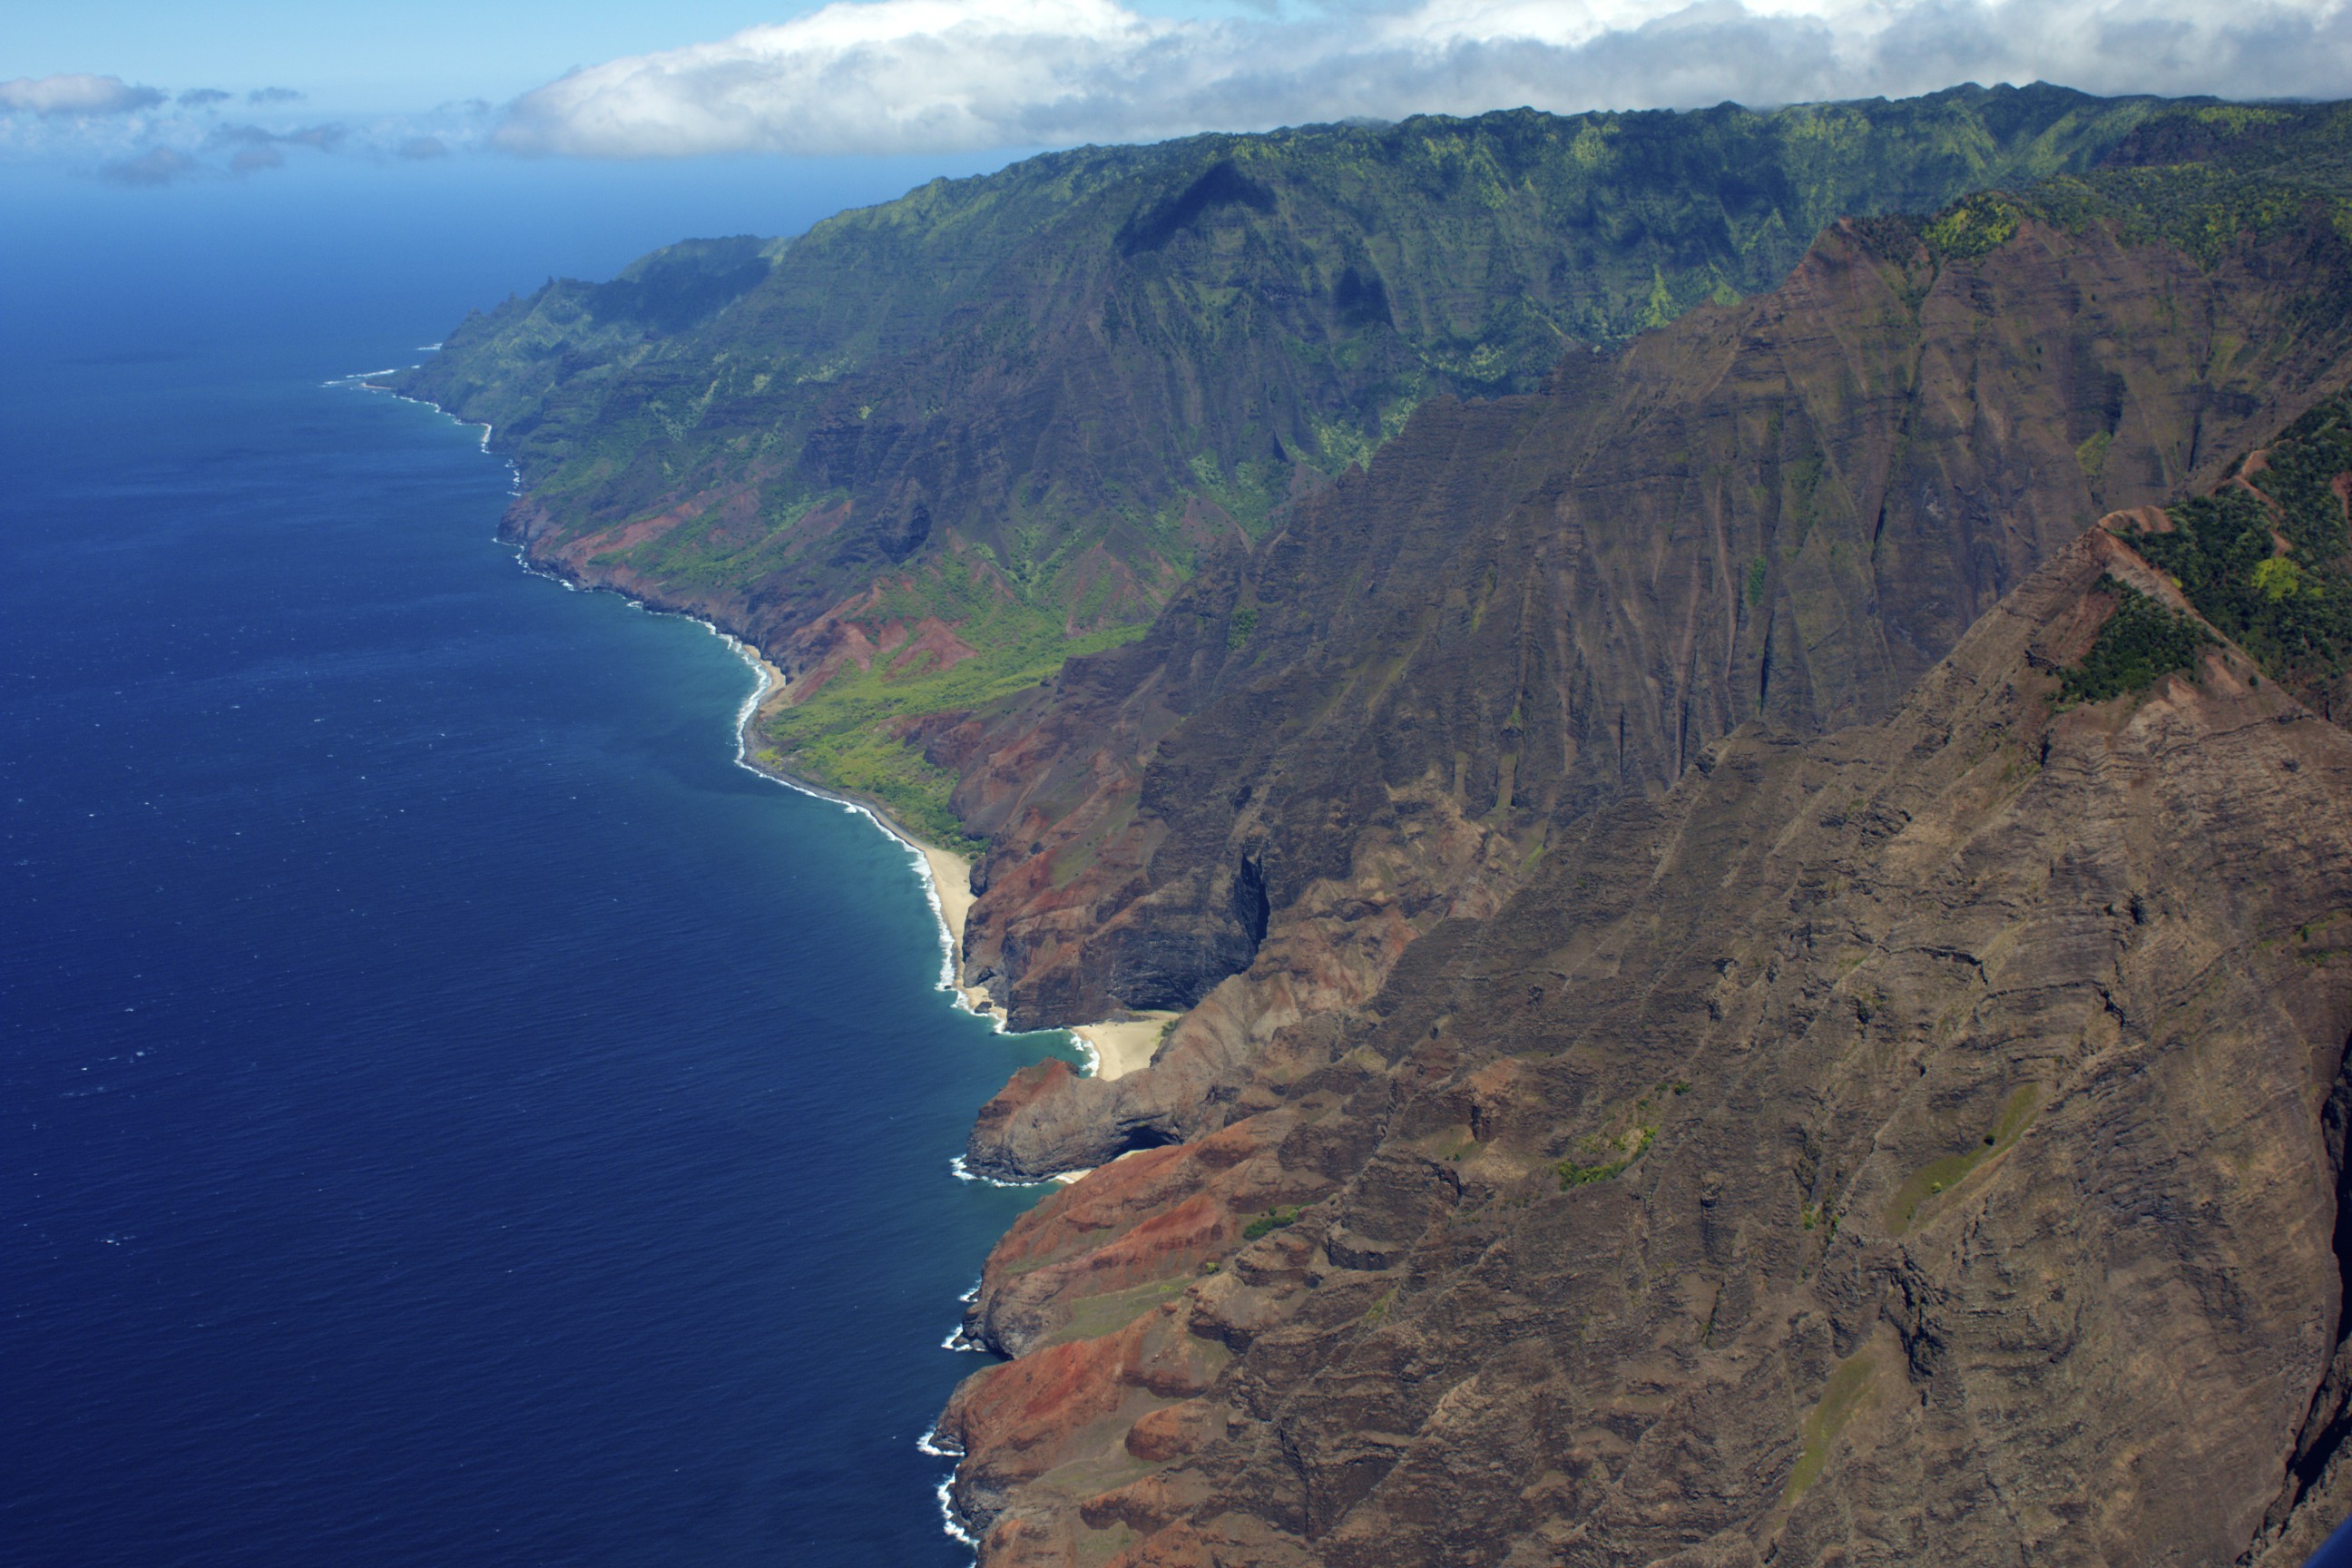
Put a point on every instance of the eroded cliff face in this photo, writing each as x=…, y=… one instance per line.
x=1093, y=362
x=1398, y=708
x=1924, y=1142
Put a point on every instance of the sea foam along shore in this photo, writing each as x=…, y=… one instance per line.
x=1113, y=1048
x=946, y=877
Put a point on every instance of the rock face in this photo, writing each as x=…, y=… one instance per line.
x=925, y=453
x=1920, y=1144
x=1784, y=511
x=1097, y=362
x=1699, y=1053
x=1702, y=1042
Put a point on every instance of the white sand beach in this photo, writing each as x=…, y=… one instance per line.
x=1125, y=1046
x=1118, y=1047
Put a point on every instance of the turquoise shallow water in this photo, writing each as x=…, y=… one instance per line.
x=449, y=1112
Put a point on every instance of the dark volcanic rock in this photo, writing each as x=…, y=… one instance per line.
x=1923, y=1143
x=1046, y=1121
x=1784, y=511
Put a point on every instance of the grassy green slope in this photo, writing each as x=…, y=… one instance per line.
x=1020, y=404
x=2268, y=557
x=1235, y=308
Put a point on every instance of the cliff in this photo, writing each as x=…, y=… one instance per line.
x=1749, y=985
x=1784, y=511
x=1756, y=994
x=926, y=451
x=1920, y=1144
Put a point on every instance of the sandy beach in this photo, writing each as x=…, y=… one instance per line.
x=1124, y=1047
x=1118, y=1047
x=951, y=888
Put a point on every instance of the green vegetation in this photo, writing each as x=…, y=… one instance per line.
x=1613, y=1157
x=1022, y=405
x=1307, y=283
x=2141, y=642
x=1840, y=1400
x=2206, y=212
x=1939, y=1175
x=1268, y=1224
x=2268, y=559
x=2204, y=178
x=1974, y=226
x=2093, y=455
x=850, y=735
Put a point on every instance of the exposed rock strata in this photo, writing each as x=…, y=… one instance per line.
x=1783, y=510
x=1869, y=1150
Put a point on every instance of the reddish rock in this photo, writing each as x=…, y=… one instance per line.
x=1169, y=1434
x=1155, y=1216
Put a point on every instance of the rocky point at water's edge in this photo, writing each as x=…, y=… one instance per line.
x=1700, y=974
x=1190, y=1321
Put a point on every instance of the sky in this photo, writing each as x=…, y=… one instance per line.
x=144, y=94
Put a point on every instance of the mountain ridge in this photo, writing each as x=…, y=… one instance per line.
x=1624, y=1069
x=992, y=403
x=1864, y=584
x=1752, y=913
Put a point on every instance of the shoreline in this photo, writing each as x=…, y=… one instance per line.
x=946, y=875
x=1113, y=1048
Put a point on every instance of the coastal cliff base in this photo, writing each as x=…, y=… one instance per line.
x=1921, y=1143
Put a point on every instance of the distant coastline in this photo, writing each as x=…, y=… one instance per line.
x=1113, y=1048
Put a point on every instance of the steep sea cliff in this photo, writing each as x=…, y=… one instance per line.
x=453, y=1112
x=1739, y=913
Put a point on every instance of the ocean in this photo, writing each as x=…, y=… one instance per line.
x=450, y=1113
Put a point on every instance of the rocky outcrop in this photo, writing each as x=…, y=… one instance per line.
x=1919, y=1143
x=1118, y=352
x=1784, y=511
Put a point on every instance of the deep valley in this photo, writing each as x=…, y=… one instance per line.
x=1722, y=737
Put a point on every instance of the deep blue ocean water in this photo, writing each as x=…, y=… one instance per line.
x=449, y=1112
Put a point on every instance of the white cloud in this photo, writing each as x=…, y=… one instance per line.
x=150, y=138
x=901, y=76
x=72, y=94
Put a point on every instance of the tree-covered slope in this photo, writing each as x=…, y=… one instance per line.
x=924, y=452
x=1221, y=309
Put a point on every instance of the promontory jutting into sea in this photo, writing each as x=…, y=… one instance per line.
x=1649, y=740
x=1513, y=838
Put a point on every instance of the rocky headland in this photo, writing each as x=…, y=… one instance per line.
x=1730, y=938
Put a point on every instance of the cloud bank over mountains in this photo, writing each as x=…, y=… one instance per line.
x=896, y=77
x=929, y=76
